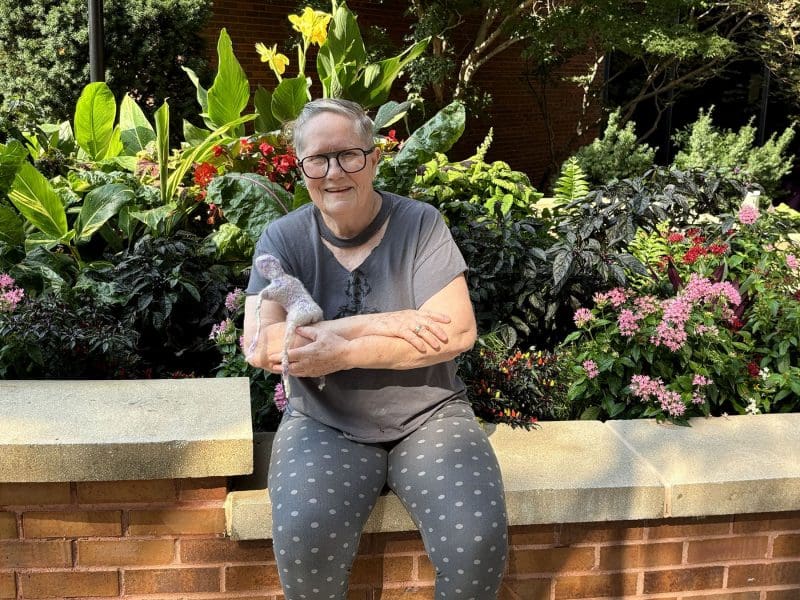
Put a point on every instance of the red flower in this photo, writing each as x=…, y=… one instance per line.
x=266, y=149
x=693, y=254
x=391, y=135
x=283, y=163
x=218, y=151
x=736, y=323
x=675, y=237
x=204, y=173
x=245, y=145
x=718, y=248
x=693, y=232
x=753, y=369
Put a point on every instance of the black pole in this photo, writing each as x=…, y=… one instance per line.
x=96, y=67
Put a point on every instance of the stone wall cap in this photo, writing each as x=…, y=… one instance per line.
x=588, y=471
x=124, y=429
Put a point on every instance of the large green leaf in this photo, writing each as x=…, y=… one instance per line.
x=343, y=44
x=162, y=149
x=250, y=201
x=194, y=135
x=155, y=218
x=265, y=120
x=390, y=112
x=202, y=93
x=12, y=155
x=436, y=135
x=373, y=86
x=94, y=122
x=99, y=206
x=11, y=226
x=46, y=240
x=229, y=94
x=136, y=131
x=38, y=202
x=289, y=98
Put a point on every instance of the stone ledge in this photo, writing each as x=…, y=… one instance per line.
x=587, y=471
x=124, y=429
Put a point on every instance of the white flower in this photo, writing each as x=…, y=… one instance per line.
x=752, y=409
x=764, y=373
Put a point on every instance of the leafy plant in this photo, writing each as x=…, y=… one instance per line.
x=617, y=154
x=734, y=153
x=571, y=184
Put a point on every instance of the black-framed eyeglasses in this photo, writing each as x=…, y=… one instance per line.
x=351, y=160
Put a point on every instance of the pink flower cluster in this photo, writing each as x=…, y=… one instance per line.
x=645, y=387
x=792, y=262
x=748, y=214
x=591, y=369
x=234, y=300
x=616, y=297
x=10, y=295
x=628, y=322
x=223, y=332
x=582, y=316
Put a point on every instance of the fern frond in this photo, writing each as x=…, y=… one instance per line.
x=571, y=184
x=649, y=249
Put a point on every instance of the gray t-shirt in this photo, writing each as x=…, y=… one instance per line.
x=416, y=258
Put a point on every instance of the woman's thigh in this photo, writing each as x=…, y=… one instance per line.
x=447, y=475
x=323, y=488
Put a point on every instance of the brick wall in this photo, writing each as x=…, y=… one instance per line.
x=520, y=133
x=165, y=539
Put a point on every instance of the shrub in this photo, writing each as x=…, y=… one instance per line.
x=615, y=155
x=44, y=51
x=734, y=153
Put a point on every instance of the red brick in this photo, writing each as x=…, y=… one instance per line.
x=205, y=488
x=72, y=523
x=526, y=589
x=8, y=525
x=592, y=586
x=776, y=573
x=8, y=589
x=21, y=554
x=376, y=570
x=751, y=523
x=407, y=593
x=33, y=494
x=792, y=594
x=727, y=549
x=550, y=560
x=120, y=553
x=176, y=521
x=225, y=551
x=786, y=545
x=687, y=528
x=727, y=596
x=587, y=533
x=155, y=581
x=617, y=558
x=251, y=577
x=702, y=578
x=103, y=492
x=532, y=535
x=69, y=583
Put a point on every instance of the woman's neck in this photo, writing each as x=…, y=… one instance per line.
x=350, y=228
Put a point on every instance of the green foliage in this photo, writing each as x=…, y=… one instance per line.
x=734, y=153
x=496, y=186
x=571, y=184
x=507, y=385
x=44, y=49
x=69, y=337
x=615, y=155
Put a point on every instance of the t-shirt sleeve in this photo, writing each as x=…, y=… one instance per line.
x=438, y=259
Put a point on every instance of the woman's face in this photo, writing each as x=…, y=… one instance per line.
x=339, y=195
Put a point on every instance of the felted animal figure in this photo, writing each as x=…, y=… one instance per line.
x=300, y=307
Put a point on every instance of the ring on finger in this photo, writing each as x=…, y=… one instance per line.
x=417, y=329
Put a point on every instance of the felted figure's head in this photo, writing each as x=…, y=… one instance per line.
x=269, y=266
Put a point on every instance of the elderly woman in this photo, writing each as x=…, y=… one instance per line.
x=390, y=281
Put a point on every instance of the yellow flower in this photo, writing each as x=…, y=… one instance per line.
x=312, y=24
x=277, y=61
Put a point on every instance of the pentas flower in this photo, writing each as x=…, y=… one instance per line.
x=748, y=214
x=646, y=388
x=792, y=262
x=582, y=316
x=234, y=300
x=591, y=369
x=223, y=332
x=616, y=297
x=628, y=322
x=701, y=380
x=10, y=295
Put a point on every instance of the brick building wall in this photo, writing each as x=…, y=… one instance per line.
x=165, y=539
x=520, y=133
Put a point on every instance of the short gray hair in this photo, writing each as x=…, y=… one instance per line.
x=363, y=125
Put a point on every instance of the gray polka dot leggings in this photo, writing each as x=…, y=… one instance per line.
x=324, y=486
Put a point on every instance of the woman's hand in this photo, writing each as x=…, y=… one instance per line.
x=420, y=328
x=321, y=352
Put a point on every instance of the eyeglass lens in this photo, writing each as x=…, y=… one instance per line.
x=351, y=160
